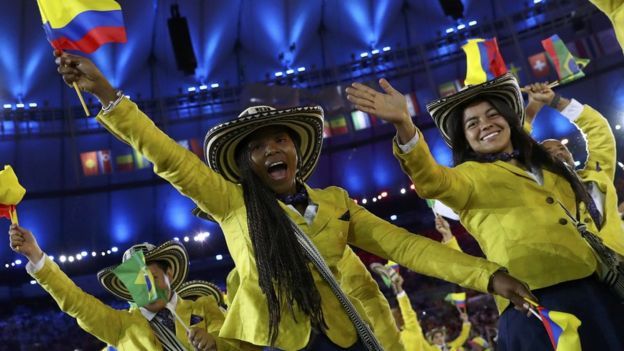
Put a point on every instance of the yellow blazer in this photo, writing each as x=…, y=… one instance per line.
x=412, y=335
x=357, y=283
x=125, y=330
x=600, y=170
x=339, y=221
x=614, y=9
x=517, y=222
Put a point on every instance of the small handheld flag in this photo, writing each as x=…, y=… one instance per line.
x=82, y=25
x=139, y=281
x=483, y=61
x=11, y=193
x=459, y=299
x=440, y=209
x=561, y=327
x=568, y=67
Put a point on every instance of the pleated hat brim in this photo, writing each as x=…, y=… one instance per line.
x=222, y=140
x=505, y=88
x=195, y=289
x=171, y=252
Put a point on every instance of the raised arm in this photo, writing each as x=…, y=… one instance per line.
x=432, y=181
x=614, y=9
x=180, y=167
x=601, y=148
x=429, y=257
x=98, y=319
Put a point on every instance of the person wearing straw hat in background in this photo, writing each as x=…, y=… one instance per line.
x=152, y=327
x=517, y=201
x=284, y=237
x=598, y=173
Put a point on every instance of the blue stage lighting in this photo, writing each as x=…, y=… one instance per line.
x=191, y=89
x=7, y=106
x=32, y=105
x=375, y=52
x=20, y=105
x=364, y=54
x=203, y=87
x=290, y=71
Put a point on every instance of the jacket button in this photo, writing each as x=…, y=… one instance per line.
x=550, y=200
x=587, y=220
x=563, y=221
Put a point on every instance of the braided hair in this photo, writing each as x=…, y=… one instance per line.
x=283, y=272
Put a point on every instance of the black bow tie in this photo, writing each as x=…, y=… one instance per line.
x=298, y=198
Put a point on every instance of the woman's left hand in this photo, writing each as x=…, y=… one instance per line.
x=511, y=288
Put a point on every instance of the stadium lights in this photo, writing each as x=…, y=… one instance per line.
x=461, y=26
x=375, y=52
x=7, y=106
x=450, y=30
x=279, y=74
x=203, y=87
x=301, y=69
x=290, y=71
x=32, y=105
x=386, y=49
x=19, y=105
x=364, y=54
x=214, y=85
x=472, y=23
x=393, y=217
x=191, y=89
x=219, y=257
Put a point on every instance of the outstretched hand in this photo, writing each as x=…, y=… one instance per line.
x=83, y=72
x=390, y=106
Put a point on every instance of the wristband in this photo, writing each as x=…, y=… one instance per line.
x=112, y=104
x=555, y=101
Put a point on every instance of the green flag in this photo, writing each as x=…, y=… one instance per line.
x=139, y=281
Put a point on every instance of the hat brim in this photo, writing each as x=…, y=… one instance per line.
x=171, y=252
x=222, y=140
x=504, y=87
x=195, y=289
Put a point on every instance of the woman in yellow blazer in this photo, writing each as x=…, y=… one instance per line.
x=512, y=196
x=255, y=189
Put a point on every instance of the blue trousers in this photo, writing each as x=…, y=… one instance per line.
x=600, y=311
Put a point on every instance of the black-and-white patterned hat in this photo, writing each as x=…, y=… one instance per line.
x=221, y=141
x=504, y=87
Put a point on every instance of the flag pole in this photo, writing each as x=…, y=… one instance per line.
x=82, y=102
x=188, y=330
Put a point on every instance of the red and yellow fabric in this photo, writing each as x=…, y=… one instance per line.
x=82, y=25
x=11, y=194
x=247, y=316
x=483, y=60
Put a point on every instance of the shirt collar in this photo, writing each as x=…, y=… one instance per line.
x=171, y=305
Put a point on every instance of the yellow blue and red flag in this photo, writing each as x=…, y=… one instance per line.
x=567, y=66
x=11, y=193
x=459, y=299
x=562, y=329
x=82, y=25
x=484, y=61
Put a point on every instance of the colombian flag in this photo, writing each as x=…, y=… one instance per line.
x=11, y=193
x=459, y=299
x=82, y=25
x=567, y=66
x=561, y=328
x=484, y=61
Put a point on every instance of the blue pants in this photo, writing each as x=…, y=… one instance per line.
x=600, y=311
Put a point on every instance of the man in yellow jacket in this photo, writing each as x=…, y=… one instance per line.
x=136, y=328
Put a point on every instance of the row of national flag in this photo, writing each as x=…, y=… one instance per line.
x=101, y=162
x=341, y=124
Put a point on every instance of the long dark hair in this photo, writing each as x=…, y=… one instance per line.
x=532, y=154
x=283, y=272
